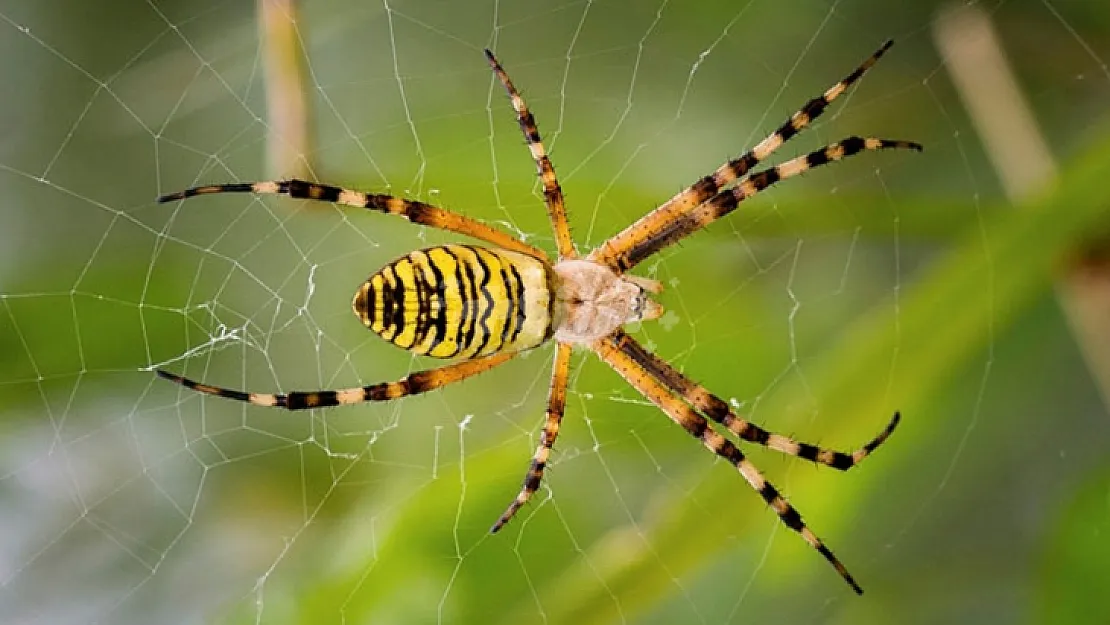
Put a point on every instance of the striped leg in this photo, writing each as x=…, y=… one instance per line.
x=614, y=252
x=552, y=192
x=719, y=411
x=617, y=350
x=416, y=212
x=556, y=403
x=412, y=384
x=726, y=201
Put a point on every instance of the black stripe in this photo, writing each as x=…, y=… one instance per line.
x=654, y=366
x=787, y=130
x=319, y=399
x=707, y=187
x=420, y=382
x=462, y=299
x=756, y=434
x=423, y=301
x=380, y=392
x=506, y=280
x=370, y=295
x=440, y=290
x=313, y=191
x=241, y=395
x=739, y=167
x=760, y=181
x=673, y=231
x=807, y=452
x=852, y=145
x=815, y=107
x=487, y=312
x=698, y=428
x=816, y=159
x=528, y=125
x=397, y=319
x=471, y=301
x=387, y=298
x=878, y=440
x=722, y=204
x=519, y=295
x=535, y=475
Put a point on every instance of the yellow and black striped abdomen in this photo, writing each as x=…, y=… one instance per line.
x=459, y=301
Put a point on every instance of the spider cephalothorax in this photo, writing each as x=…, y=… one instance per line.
x=484, y=305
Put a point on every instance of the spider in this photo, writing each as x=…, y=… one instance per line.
x=483, y=306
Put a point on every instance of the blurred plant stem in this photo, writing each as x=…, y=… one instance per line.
x=288, y=135
x=1021, y=158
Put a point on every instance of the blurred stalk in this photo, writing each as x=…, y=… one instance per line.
x=286, y=103
x=1022, y=159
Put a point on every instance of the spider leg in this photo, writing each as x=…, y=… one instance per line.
x=416, y=212
x=412, y=384
x=552, y=192
x=556, y=403
x=726, y=201
x=621, y=353
x=719, y=411
x=614, y=252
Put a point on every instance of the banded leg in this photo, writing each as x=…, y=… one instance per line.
x=616, y=351
x=726, y=201
x=412, y=384
x=556, y=404
x=719, y=411
x=613, y=253
x=416, y=212
x=552, y=192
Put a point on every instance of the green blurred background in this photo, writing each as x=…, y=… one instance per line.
x=891, y=281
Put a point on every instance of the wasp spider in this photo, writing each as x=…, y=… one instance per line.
x=485, y=305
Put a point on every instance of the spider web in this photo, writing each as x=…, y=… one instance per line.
x=127, y=499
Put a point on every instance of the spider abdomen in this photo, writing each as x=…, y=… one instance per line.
x=459, y=301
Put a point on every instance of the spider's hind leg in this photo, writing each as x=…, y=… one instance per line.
x=412, y=384
x=556, y=404
x=624, y=355
x=720, y=412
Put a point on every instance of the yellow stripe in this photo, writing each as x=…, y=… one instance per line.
x=406, y=334
x=378, y=325
x=502, y=302
x=424, y=275
x=389, y=329
x=494, y=315
x=450, y=287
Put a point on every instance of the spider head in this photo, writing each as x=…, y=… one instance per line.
x=592, y=301
x=644, y=308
